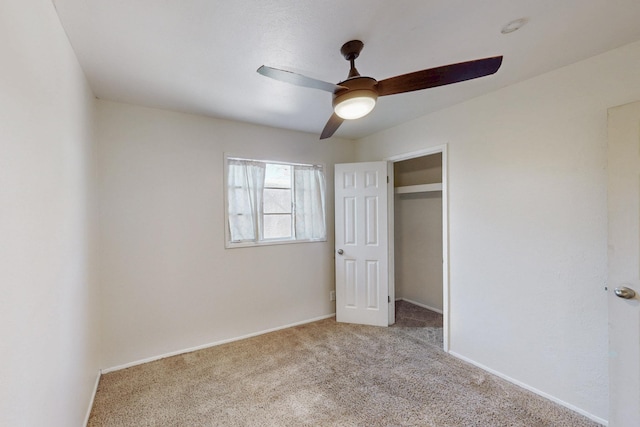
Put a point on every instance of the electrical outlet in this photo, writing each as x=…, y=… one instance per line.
x=332, y=296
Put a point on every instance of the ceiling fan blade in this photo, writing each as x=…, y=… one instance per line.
x=332, y=125
x=439, y=76
x=298, y=79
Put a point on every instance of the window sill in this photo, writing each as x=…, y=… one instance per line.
x=232, y=245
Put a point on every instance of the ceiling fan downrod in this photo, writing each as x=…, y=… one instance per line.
x=351, y=50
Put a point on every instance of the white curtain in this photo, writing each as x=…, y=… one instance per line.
x=245, y=183
x=309, y=202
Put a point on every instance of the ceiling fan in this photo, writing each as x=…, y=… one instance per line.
x=356, y=96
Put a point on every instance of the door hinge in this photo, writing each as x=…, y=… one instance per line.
x=387, y=179
x=389, y=298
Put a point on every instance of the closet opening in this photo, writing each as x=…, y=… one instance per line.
x=419, y=246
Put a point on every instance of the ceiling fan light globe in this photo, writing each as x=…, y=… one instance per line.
x=354, y=104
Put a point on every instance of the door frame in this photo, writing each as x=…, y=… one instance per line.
x=445, y=231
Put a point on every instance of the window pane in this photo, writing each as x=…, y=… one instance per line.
x=277, y=226
x=278, y=176
x=277, y=200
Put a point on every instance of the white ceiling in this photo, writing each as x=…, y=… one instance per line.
x=201, y=56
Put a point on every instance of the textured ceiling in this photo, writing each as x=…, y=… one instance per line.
x=201, y=56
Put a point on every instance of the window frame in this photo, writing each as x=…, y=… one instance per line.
x=285, y=241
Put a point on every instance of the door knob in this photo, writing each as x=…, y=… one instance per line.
x=340, y=251
x=624, y=292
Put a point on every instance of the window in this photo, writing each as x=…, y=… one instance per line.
x=274, y=202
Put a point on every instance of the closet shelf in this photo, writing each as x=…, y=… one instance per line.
x=422, y=188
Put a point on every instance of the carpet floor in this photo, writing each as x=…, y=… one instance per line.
x=324, y=374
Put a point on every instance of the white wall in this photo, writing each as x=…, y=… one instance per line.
x=48, y=312
x=418, y=248
x=167, y=281
x=528, y=223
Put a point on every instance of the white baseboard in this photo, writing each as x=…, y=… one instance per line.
x=213, y=344
x=93, y=396
x=531, y=389
x=437, y=310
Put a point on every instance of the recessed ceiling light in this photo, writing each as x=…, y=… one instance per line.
x=514, y=25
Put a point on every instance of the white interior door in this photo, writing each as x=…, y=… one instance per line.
x=624, y=265
x=362, y=243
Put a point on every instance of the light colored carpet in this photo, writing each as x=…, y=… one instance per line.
x=323, y=374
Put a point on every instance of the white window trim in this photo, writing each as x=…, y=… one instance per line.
x=228, y=244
